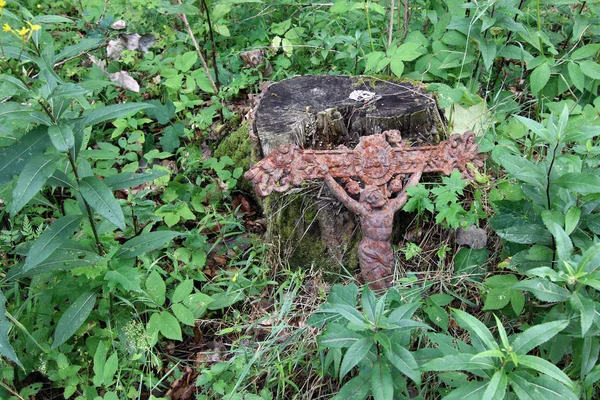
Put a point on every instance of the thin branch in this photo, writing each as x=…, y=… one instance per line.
x=406, y=18
x=391, y=27
x=191, y=33
x=212, y=41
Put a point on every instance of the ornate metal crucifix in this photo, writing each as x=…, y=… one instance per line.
x=373, y=175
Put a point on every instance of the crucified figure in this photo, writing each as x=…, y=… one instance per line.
x=375, y=210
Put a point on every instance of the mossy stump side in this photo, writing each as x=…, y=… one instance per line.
x=307, y=224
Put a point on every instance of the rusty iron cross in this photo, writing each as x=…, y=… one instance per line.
x=373, y=176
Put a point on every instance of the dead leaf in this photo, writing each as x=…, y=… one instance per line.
x=119, y=25
x=125, y=80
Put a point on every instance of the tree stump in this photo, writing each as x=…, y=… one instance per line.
x=308, y=224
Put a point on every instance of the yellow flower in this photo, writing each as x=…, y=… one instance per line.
x=2, y=4
x=33, y=27
x=7, y=28
x=38, y=6
x=23, y=32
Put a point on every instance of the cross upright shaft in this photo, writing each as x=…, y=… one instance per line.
x=373, y=172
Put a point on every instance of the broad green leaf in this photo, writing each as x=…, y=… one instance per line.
x=545, y=368
x=397, y=67
x=15, y=157
x=368, y=303
x=590, y=259
x=183, y=291
x=74, y=317
x=590, y=68
x=576, y=75
x=5, y=347
x=470, y=391
x=497, y=386
x=382, y=385
x=60, y=179
x=168, y=325
x=60, y=260
x=198, y=304
x=127, y=278
x=539, y=77
x=544, y=290
x=437, y=315
x=405, y=311
x=101, y=199
x=404, y=361
x=475, y=327
x=355, y=389
x=536, y=335
x=51, y=239
x=338, y=336
x=589, y=50
x=110, y=369
x=586, y=308
x=564, y=246
x=112, y=112
x=580, y=183
x=354, y=355
x=99, y=362
x=31, y=180
x=62, y=137
x=458, y=362
x=185, y=61
x=542, y=388
x=125, y=180
x=572, y=219
x=225, y=299
x=156, y=288
x=183, y=314
x=145, y=243
x=349, y=313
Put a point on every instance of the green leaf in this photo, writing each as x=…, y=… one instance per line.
x=382, y=385
x=185, y=61
x=51, y=239
x=590, y=68
x=31, y=180
x=539, y=77
x=355, y=354
x=544, y=290
x=15, y=157
x=112, y=112
x=101, y=198
x=589, y=50
x=168, y=325
x=183, y=291
x=437, y=315
x=349, y=313
x=74, y=317
x=475, y=327
x=542, y=388
x=355, y=389
x=536, y=335
x=579, y=182
x=564, y=246
x=62, y=137
x=470, y=391
x=183, y=314
x=125, y=180
x=497, y=386
x=156, y=288
x=545, y=368
x=368, y=303
x=457, y=362
x=99, y=362
x=5, y=347
x=576, y=75
x=572, y=219
x=397, y=67
x=404, y=362
x=338, y=336
x=110, y=369
x=586, y=308
x=127, y=278
x=145, y=243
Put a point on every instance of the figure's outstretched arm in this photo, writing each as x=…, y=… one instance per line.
x=402, y=197
x=342, y=196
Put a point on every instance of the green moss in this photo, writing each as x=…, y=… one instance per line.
x=237, y=146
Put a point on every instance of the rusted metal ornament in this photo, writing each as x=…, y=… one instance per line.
x=373, y=172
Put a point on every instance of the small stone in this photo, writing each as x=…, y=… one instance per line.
x=119, y=25
x=473, y=237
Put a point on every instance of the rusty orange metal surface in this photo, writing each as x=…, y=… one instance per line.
x=375, y=176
